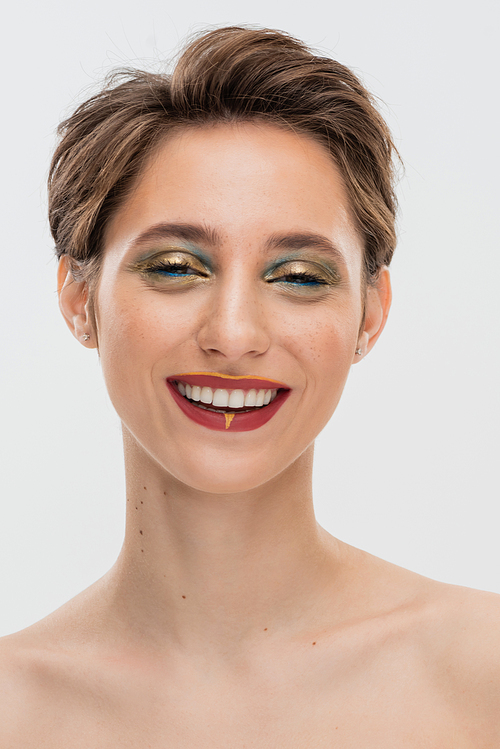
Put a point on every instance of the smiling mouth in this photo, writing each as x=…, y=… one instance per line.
x=206, y=398
x=222, y=400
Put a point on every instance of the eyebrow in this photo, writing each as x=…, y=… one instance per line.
x=294, y=241
x=198, y=233
x=186, y=232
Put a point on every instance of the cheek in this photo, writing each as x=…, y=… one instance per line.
x=324, y=345
x=137, y=335
x=325, y=338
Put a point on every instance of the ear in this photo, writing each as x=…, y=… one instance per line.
x=377, y=306
x=74, y=304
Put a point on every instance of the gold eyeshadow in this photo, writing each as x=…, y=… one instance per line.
x=176, y=267
x=303, y=276
x=305, y=268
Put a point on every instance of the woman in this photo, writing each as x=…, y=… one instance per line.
x=224, y=237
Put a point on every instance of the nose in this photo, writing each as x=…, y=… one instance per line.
x=234, y=323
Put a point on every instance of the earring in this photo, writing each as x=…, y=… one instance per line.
x=86, y=337
x=359, y=351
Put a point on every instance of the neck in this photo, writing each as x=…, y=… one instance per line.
x=198, y=567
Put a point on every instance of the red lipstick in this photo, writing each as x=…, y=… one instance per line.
x=231, y=419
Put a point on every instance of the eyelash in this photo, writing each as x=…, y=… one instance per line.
x=307, y=279
x=179, y=271
x=172, y=269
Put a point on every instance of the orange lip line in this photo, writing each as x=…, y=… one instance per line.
x=231, y=377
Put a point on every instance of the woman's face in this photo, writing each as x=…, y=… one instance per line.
x=235, y=255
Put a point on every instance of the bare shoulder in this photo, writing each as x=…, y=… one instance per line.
x=35, y=683
x=448, y=638
x=459, y=634
x=21, y=685
x=16, y=666
x=458, y=626
x=466, y=624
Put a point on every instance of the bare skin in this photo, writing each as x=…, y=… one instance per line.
x=411, y=664
x=231, y=619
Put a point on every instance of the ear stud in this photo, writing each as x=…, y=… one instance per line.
x=359, y=351
x=86, y=337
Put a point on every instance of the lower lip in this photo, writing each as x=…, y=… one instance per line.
x=241, y=422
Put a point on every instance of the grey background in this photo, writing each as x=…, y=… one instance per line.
x=407, y=468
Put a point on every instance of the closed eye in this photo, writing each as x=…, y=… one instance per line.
x=173, y=269
x=300, y=279
x=303, y=277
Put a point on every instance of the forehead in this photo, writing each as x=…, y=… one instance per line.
x=242, y=181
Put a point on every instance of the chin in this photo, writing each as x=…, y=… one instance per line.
x=227, y=477
x=216, y=473
x=213, y=466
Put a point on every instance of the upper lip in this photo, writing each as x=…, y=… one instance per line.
x=227, y=382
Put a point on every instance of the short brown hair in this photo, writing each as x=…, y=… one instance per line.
x=226, y=75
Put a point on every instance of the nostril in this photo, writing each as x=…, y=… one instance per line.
x=233, y=348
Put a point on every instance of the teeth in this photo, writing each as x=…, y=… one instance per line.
x=227, y=398
x=220, y=398
x=206, y=395
x=236, y=399
x=251, y=398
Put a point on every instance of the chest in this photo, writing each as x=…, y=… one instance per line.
x=355, y=713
